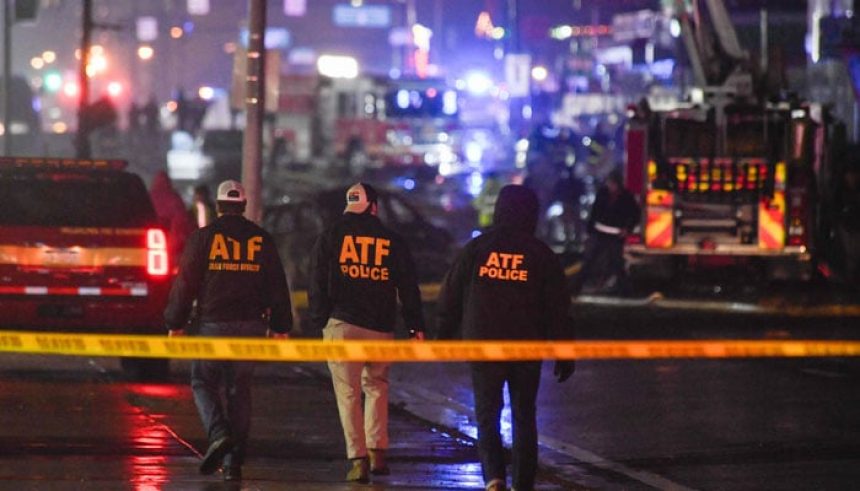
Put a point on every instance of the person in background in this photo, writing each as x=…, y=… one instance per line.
x=485, y=201
x=232, y=270
x=568, y=191
x=848, y=222
x=359, y=269
x=202, y=209
x=507, y=285
x=171, y=213
x=614, y=215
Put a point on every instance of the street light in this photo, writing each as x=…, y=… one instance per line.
x=539, y=73
x=334, y=66
x=145, y=52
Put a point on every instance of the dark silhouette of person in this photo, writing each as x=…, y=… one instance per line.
x=614, y=215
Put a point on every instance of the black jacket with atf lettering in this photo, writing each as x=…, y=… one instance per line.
x=359, y=267
x=506, y=284
x=232, y=268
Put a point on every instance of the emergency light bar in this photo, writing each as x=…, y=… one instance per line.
x=61, y=163
x=717, y=175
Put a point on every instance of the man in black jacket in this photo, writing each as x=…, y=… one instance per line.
x=507, y=285
x=359, y=268
x=614, y=215
x=232, y=269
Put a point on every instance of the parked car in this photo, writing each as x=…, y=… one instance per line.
x=297, y=223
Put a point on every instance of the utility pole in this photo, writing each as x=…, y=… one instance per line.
x=517, y=103
x=763, y=48
x=252, y=145
x=82, y=143
x=7, y=74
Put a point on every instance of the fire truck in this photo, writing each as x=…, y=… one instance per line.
x=730, y=174
x=403, y=122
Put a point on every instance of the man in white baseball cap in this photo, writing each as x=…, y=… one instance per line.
x=241, y=291
x=231, y=191
x=359, y=269
x=360, y=197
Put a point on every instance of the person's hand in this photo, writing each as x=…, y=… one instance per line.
x=563, y=369
x=277, y=335
x=176, y=333
x=418, y=336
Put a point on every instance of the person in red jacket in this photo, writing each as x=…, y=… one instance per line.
x=507, y=285
x=172, y=212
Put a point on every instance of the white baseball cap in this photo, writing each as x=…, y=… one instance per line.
x=231, y=191
x=359, y=197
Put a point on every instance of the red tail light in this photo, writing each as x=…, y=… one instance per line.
x=156, y=252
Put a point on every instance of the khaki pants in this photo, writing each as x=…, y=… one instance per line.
x=367, y=428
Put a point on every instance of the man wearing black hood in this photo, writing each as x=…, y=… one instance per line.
x=507, y=285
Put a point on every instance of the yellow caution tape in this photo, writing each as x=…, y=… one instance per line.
x=406, y=351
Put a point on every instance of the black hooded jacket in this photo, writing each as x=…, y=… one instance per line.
x=506, y=284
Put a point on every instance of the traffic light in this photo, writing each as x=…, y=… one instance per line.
x=53, y=81
x=26, y=10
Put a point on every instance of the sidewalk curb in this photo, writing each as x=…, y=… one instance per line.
x=657, y=300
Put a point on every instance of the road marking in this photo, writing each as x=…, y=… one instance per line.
x=444, y=411
x=823, y=373
x=651, y=479
x=657, y=300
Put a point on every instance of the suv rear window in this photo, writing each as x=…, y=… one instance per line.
x=76, y=199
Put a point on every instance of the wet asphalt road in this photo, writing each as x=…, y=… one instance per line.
x=73, y=423
x=696, y=424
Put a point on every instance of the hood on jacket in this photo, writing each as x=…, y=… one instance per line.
x=517, y=208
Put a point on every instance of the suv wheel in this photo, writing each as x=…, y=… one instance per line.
x=146, y=369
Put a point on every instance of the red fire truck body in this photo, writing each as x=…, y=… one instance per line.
x=401, y=122
x=727, y=188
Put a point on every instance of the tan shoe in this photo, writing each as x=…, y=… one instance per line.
x=378, y=465
x=360, y=471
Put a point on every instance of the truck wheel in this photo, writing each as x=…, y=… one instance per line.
x=146, y=369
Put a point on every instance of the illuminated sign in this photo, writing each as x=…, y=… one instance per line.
x=518, y=74
x=198, y=7
x=345, y=15
x=634, y=25
x=276, y=37
x=399, y=36
x=295, y=8
x=147, y=29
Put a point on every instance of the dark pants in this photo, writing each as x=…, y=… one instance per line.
x=603, y=259
x=210, y=377
x=488, y=382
